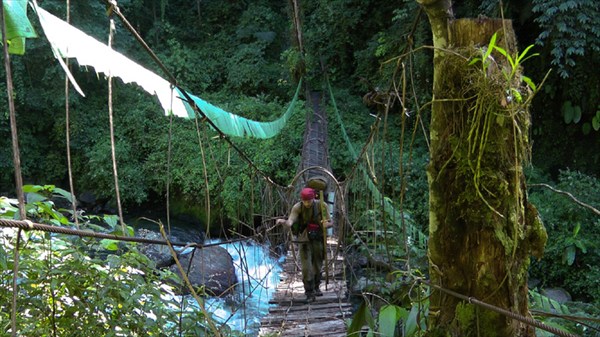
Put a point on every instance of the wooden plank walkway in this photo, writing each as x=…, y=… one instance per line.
x=292, y=316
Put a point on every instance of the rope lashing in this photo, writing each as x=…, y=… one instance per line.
x=28, y=225
x=527, y=320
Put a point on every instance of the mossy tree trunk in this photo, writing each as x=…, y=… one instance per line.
x=482, y=229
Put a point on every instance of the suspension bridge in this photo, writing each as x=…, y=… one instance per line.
x=290, y=314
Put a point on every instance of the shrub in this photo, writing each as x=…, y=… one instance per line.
x=572, y=253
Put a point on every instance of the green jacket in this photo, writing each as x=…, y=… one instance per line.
x=304, y=216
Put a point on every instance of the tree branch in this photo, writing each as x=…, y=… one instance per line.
x=597, y=212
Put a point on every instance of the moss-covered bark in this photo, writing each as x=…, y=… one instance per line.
x=482, y=229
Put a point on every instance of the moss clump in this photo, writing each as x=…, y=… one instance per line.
x=475, y=321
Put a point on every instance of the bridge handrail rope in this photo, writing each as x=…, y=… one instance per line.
x=421, y=238
x=29, y=225
x=527, y=320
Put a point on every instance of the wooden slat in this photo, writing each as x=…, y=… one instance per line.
x=292, y=316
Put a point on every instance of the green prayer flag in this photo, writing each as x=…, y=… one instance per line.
x=238, y=126
x=18, y=27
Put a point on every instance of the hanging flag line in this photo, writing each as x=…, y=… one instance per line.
x=18, y=27
x=69, y=42
x=239, y=126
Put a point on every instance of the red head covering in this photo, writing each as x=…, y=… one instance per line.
x=307, y=193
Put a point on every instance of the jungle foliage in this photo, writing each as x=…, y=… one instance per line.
x=571, y=257
x=238, y=55
x=110, y=287
x=234, y=55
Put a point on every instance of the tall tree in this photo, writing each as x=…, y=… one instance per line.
x=482, y=228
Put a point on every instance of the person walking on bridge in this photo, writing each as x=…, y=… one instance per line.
x=308, y=219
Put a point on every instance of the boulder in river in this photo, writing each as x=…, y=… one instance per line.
x=211, y=267
x=160, y=254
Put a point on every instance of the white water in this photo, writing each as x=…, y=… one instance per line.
x=258, y=275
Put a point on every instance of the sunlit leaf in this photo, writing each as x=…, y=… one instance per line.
x=32, y=188
x=475, y=60
x=490, y=47
x=109, y=244
x=506, y=55
x=64, y=194
x=111, y=220
x=529, y=82
x=517, y=95
x=522, y=58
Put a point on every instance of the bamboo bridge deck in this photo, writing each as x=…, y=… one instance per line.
x=292, y=316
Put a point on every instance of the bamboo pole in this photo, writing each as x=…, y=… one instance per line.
x=324, y=218
x=16, y=165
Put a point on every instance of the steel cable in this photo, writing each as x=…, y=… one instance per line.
x=29, y=225
x=527, y=320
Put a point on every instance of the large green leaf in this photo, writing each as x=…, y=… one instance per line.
x=65, y=194
x=109, y=244
x=6, y=208
x=569, y=255
x=544, y=303
x=567, y=110
x=529, y=82
x=596, y=121
x=361, y=317
x=576, y=114
x=411, y=323
x=111, y=220
x=388, y=318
